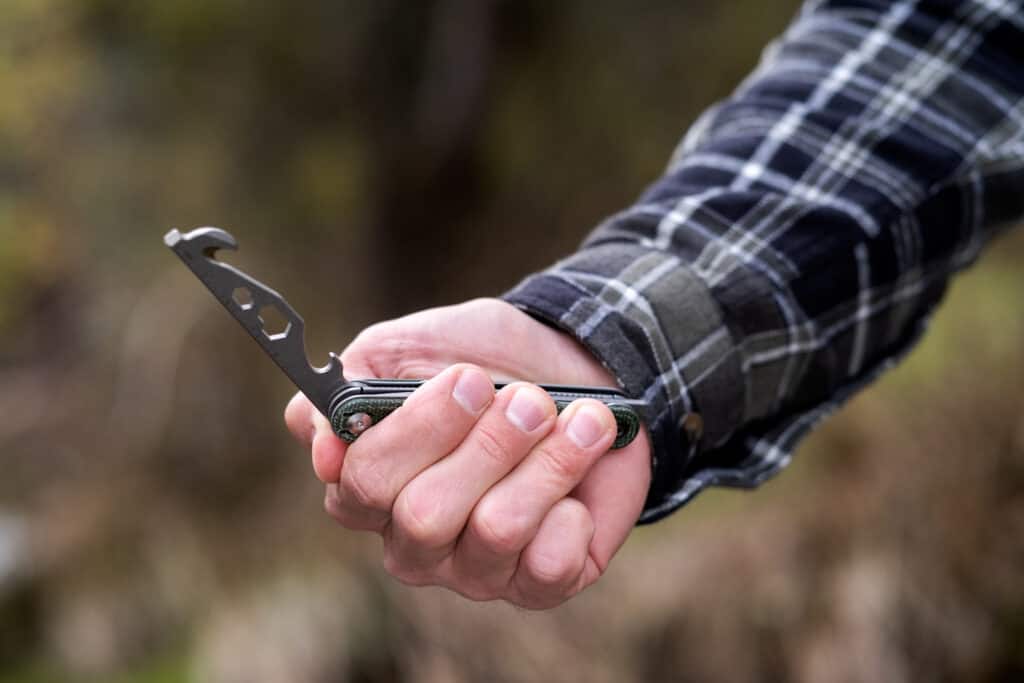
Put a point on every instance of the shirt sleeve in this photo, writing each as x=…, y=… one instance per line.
x=802, y=234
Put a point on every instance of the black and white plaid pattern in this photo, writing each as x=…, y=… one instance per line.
x=803, y=232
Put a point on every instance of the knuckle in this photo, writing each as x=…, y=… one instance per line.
x=361, y=483
x=420, y=530
x=565, y=464
x=349, y=519
x=387, y=349
x=498, y=533
x=488, y=442
x=552, y=570
x=359, y=348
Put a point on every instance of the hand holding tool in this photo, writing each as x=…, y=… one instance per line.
x=351, y=406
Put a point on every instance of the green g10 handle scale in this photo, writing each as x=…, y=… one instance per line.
x=366, y=402
x=351, y=406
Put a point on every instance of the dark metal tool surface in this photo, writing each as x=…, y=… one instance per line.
x=352, y=406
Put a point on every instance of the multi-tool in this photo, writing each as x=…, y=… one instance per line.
x=351, y=406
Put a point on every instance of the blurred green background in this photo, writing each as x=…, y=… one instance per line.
x=374, y=158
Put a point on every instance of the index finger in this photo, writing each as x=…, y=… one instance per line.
x=311, y=428
x=299, y=417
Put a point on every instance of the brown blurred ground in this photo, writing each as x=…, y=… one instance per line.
x=156, y=524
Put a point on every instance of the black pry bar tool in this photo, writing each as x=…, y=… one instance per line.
x=351, y=406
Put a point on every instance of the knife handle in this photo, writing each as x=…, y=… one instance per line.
x=353, y=411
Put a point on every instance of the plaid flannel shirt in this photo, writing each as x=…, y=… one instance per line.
x=802, y=233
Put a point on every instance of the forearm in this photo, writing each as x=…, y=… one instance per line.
x=802, y=233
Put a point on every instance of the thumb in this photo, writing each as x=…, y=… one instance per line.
x=489, y=333
x=406, y=348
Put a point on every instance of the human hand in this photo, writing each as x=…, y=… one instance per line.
x=494, y=496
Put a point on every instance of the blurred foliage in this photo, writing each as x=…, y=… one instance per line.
x=374, y=158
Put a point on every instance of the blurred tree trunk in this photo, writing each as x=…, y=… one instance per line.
x=426, y=96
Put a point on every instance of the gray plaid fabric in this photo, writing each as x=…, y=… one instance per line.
x=803, y=232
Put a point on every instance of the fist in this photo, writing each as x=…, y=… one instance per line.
x=493, y=495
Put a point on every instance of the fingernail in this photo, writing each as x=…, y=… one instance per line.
x=526, y=410
x=586, y=427
x=473, y=391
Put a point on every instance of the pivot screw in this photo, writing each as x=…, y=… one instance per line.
x=357, y=423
